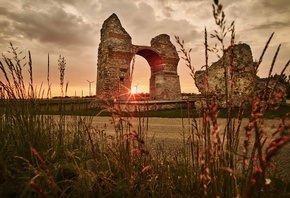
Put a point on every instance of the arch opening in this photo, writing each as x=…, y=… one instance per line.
x=140, y=77
x=151, y=56
x=146, y=82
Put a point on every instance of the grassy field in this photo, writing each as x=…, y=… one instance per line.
x=82, y=109
x=76, y=157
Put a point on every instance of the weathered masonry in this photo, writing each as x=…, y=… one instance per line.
x=114, y=69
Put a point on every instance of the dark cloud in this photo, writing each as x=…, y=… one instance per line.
x=277, y=5
x=55, y=26
x=3, y=10
x=264, y=11
x=143, y=24
x=269, y=25
x=178, y=1
x=168, y=11
x=4, y=25
x=5, y=32
x=50, y=24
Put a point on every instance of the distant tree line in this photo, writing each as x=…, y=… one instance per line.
x=283, y=79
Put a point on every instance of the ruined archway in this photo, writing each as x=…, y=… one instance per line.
x=155, y=62
x=114, y=57
x=140, y=73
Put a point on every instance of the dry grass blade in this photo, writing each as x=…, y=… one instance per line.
x=38, y=189
x=31, y=95
x=263, y=52
x=45, y=168
x=278, y=79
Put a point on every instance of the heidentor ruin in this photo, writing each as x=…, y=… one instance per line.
x=115, y=64
x=115, y=70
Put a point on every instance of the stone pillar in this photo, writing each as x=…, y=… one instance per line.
x=164, y=77
x=114, y=57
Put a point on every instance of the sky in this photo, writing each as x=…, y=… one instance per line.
x=71, y=28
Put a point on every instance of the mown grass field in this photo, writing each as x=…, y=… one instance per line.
x=82, y=107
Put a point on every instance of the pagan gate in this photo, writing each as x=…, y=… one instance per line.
x=115, y=55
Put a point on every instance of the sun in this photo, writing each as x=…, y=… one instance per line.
x=133, y=90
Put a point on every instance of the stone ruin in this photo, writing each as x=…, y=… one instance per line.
x=114, y=69
x=245, y=81
x=115, y=55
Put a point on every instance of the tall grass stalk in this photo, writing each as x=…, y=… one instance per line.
x=23, y=128
x=219, y=158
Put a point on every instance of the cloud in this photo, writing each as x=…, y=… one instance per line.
x=168, y=11
x=259, y=13
x=143, y=29
x=54, y=26
x=270, y=25
x=276, y=6
x=5, y=30
x=3, y=10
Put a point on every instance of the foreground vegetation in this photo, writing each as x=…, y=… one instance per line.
x=47, y=156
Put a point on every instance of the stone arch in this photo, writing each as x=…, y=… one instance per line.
x=115, y=54
x=155, y=62
x=150, y=54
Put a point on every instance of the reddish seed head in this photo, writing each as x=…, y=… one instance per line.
x=281, y=142
x=145, y=168
x=279, y=95
x=253, y=181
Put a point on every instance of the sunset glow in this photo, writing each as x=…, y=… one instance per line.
x=133, y=90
